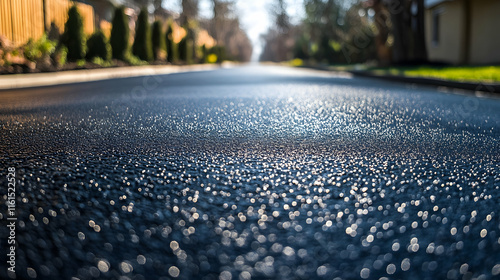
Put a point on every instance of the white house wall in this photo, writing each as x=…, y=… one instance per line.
x=485, y=32
x=451, y=30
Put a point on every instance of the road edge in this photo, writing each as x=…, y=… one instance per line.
x=471, y=86
x=20, y=81
x=484, y=89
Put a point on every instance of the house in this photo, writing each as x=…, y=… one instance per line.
x=463, y=31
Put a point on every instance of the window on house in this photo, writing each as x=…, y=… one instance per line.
x=436, y=18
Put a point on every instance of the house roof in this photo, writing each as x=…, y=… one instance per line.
x=431, y=3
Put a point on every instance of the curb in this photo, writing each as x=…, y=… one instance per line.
x=483, y=87
x=19, y=81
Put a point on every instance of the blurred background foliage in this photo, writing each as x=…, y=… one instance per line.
x=375, y=33
x=348, y=32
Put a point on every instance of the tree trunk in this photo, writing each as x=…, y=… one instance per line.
x=381, y=18
x=420, y=48
x=400, y=30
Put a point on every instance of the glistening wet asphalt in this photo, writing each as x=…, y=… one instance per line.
x=251, y=173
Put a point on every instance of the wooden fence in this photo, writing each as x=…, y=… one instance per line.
x=21, y=20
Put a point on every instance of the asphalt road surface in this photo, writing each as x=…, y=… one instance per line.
x=250, y=173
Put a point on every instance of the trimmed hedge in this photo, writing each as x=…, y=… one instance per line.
x=119, y=34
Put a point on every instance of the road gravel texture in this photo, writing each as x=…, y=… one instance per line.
x=251, y=173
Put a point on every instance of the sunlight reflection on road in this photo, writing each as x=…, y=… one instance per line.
x=252, y=173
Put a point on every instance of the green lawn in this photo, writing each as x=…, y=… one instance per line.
x=485, y=74
x=488, y=74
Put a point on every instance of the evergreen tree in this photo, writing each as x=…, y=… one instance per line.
x=204, y=53
x=170, y=45
x=73, y=37
x=119, y=34
x=157, y=39
x=186, y=50
x=142, y=42
x=98, y=46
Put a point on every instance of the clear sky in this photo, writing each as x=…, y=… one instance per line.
x=254, y=16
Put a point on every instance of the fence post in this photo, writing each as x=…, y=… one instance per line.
x=45, y=28
x=12, y=22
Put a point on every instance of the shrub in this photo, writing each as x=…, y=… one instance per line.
x=98, y=46
x=142, y=42
x=134, y=60
x=157, y=39
x=211, y=58
x=301, y=48
x=217, y=54
x=80, y=63
x=101, y=62
x=73, y=37
x=60, y=55
x=54, y=33
x=119, y=34
x=39, y=49
x=170, y=45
